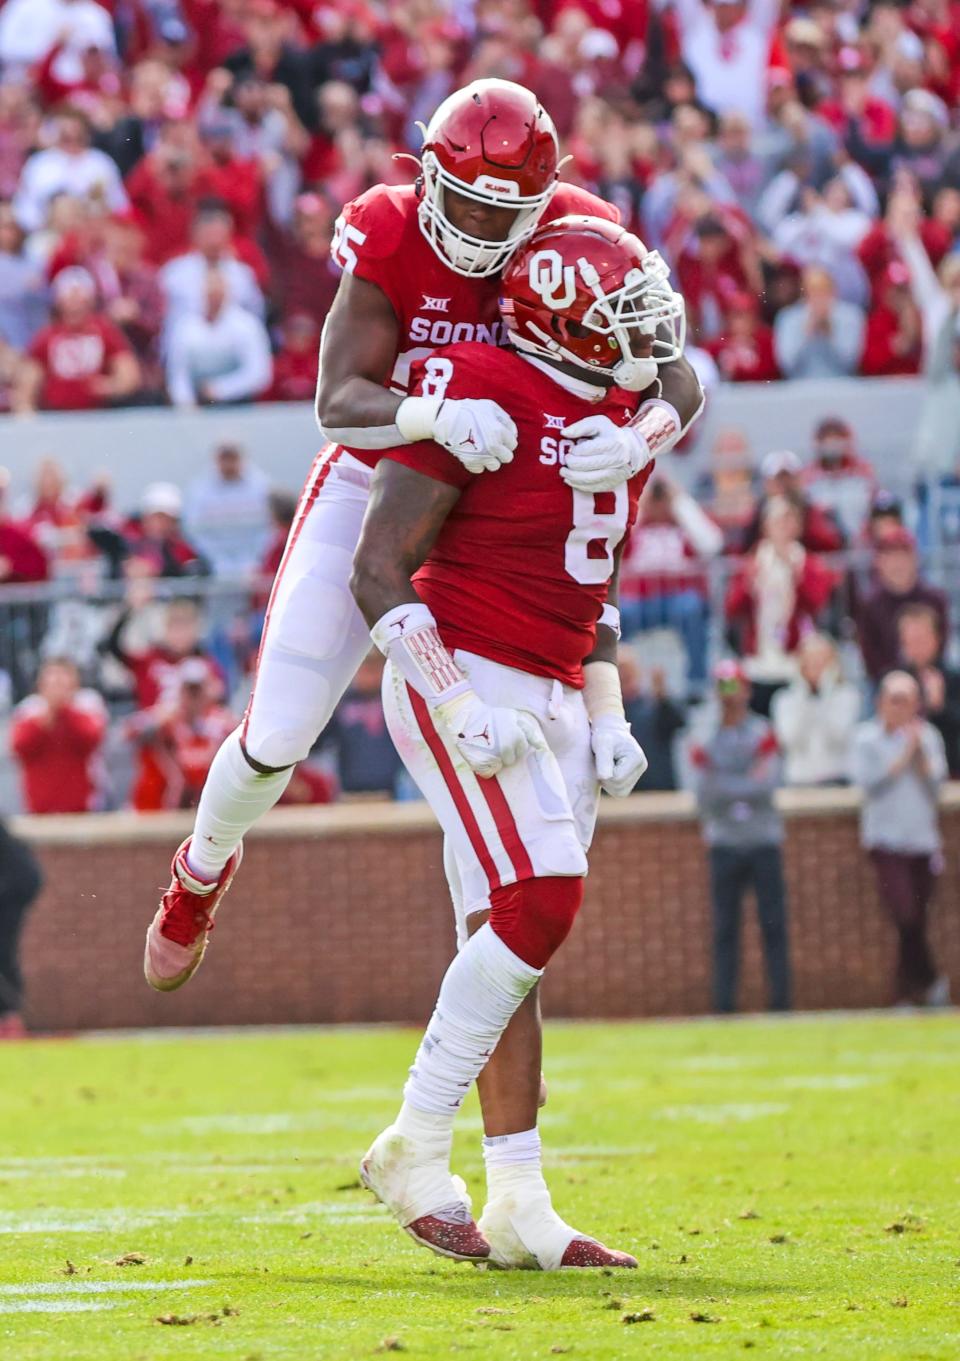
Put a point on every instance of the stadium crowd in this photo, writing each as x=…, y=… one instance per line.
x=133, y=634
x=171, y=172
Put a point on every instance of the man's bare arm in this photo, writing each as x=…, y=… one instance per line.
x=404, y=517
x=680, y=386
x=356, y=357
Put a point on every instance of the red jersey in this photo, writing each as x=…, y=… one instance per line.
x=378, y=238
x=71, y=357
x=520, y=571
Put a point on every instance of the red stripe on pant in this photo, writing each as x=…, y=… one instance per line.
x=507, y=828
x=308, y=496
x=434, y=741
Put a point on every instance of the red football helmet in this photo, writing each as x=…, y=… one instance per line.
x=491, y=142
x=584, y=289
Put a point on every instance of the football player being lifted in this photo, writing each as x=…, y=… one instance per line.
x=421, y=268
x=494, y=601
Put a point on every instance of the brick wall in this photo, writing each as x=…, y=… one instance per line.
x=342, y=915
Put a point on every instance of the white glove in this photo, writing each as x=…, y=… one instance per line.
x=604, y=455
x=487, y=736
x=617, y=755
x=476, y=431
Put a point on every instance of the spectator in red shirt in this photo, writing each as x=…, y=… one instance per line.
x=22, y=560
x=155, y=539
x=662, y=582
x=838, y=479
x=56, y=736
x=893, y=340
x=775, y=598
x=744, y=352
x=154, y=666
x=711, y=268
x=178, y=738
x=897, y=584
x=80, y=361
x=295, y=363
x=303, y=276
x=163, y=190
x=58, y=519
x=782, y=471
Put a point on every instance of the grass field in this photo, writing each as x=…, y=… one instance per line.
x=791, y=1189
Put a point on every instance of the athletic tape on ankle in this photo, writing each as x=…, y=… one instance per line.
x=407, y=635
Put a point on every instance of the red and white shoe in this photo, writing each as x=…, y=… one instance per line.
x=526, y=1233
x=177, y=936
x=428, y=1203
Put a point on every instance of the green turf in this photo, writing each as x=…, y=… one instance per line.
x=790, y=1189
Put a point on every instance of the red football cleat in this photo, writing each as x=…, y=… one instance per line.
x=586, y=1252
x=461, y=1240
x=177, y=936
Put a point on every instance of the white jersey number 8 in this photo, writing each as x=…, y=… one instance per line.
x=604, y=529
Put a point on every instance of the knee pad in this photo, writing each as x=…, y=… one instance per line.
x=276, y=744
x=533, y=918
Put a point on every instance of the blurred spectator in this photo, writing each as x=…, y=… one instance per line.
x=221, y=354
x=662, y=582
x=740, y=165
x=814, y=717
x=777, y=596
x=899, y=762
x=717, y=262
x=726, y=489
x=19, y=133
x=781, y=470
x=654, y=720
x=20, y=882
x=735, y=773
x=304, y=278
x=154, y=537
x=22, y=560
x=357, y=737
x=81, y=360
x=823, y=229
x=184, y=279
x=921, y=654
x=296, y=363
x=744, y=350
x=56, y=736
x=227, y=512
x=154, y=663
x=937, y=294
x=283, y=507
x=23, y=289
x=922, y=146
x=821, y=337
x=71, y=166
x=164, y=191
x=893, y=337
x=270, y=54
x=726, y=45
x=177, y=739
x=898, y=584
x=131, y=294
x=838, y=480
x=57, y=519
x=29, y=28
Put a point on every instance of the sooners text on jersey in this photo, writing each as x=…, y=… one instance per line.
x=520, y=570
x=378, y=238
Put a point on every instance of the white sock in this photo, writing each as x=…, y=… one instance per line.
x=480, y=992
x=234, y=797
x=510, y=1150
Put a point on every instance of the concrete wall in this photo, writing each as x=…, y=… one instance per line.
x=341, y=914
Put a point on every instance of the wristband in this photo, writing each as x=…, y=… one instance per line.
x=610, y=616
x=407, y=636
x=601, y=690
x=659, y=425
x=417, y=416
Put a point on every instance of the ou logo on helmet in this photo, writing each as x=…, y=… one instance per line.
x=549, y=275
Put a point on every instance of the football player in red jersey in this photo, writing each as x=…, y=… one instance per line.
x=421, y=268
x=493, y=599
